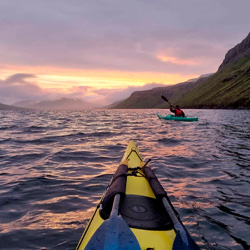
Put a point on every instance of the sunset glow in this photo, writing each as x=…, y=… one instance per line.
x=80, y=50
x=49, y=77
x=176, y=60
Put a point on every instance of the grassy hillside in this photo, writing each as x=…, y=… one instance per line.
x=152, y=98
x=228, y=88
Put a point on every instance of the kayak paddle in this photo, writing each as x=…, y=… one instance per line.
x=165, y=99
x=114, y=233
x=183, y=240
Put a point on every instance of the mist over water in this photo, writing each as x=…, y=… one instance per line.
x=54, y=167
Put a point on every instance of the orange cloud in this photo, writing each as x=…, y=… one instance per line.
x=175, y=60
x=66, y=78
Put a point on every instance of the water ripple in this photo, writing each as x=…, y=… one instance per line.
x=54, y=167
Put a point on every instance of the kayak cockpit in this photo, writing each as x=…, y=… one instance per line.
x=145, y=213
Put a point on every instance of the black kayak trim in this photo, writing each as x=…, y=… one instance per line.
x=117, y=186
x=183, y=241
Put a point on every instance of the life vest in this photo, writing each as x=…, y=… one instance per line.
x=178, y=112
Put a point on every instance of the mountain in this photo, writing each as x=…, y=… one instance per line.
x=10, y=107
x=112, y=105
x=229, y=87
x=60, y=104
x=152, y=98
x=241, y=50
x=202, y=76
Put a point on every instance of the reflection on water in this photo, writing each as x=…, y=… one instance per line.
x=54, y=167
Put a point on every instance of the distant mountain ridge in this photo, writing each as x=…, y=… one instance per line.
x=10, y=107
x=60, y=104
x=229, y=87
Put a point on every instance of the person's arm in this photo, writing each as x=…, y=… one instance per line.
x=172, y=109
x=183, y=114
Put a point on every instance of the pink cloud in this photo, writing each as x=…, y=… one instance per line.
x=20, y=87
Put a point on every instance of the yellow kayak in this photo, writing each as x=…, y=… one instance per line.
x=135, y=212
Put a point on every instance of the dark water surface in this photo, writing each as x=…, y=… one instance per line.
x=54, y=167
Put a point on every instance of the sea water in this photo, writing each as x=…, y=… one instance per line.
x=54, y=167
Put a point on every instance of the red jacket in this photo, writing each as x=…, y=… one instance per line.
x=178, y=112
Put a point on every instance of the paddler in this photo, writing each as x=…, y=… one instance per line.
x=177, y=110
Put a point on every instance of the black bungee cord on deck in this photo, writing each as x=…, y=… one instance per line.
x=135, y=170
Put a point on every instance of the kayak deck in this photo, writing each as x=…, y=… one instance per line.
x=140, y=207
x=177, y=118
x=154, y=217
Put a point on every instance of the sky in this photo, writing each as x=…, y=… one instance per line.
x=102, y=51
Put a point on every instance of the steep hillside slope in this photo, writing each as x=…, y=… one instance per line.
x=152, y=98
x=229, y=87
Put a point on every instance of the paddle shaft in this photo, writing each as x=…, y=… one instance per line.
x=115, y=207
x=114, y=233
x=165, y=99
x=177, y=224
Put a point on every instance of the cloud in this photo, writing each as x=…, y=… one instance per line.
x=113, y=95
x=19, y=87
x=85, y=93
x=175, y=60
x=105, y=96
x=106, y=35
x=163, y=37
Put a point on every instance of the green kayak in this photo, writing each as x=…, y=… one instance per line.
x=177, y=118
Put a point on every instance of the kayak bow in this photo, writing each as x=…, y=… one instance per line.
x=135, y=213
